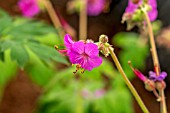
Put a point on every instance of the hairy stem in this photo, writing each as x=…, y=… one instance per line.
x=53, y=16
x=130, y=86
x=163, y=102
x=83, y=22
x=155, y=61
x=153, y=47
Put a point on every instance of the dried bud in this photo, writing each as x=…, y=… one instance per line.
x=103, y=39
x=160, y=85
x=103, y=49
x=149, y=85
x=135, y=1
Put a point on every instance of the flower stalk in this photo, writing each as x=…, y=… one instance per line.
x=83, y=21
x=130, y=86
x=53, y=16
x=163, y=108
x=153, y=47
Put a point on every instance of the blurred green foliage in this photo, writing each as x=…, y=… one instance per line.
x=27, y=43
x=133, y=48
x=20, y=45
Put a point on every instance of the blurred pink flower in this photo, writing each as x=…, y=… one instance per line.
x=99, y=93
x=29, y=8
x=152, y=13
x=95, y=7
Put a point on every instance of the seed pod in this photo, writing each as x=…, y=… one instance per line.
x=149, y=85
x=160, y=85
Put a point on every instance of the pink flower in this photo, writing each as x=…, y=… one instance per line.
x=84, y=54
x=152, y=13
x=99, y=93
x=95, y=7
x=29, y=8
x=152, y=76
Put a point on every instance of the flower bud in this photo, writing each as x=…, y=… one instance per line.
x=135, y=1
x=149, y=85
x=160, y=85
x=103, y=39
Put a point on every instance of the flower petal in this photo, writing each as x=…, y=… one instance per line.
x=78, y=47
x=92, y=62
x=75, y=58
x=95, y=7
x=68, y=41
x=152, y=14
x=152, y=75
x=91, y=49
x=29, y=8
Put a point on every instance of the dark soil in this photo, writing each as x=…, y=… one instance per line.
x=20, y=95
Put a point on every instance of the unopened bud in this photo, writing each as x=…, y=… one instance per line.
x=103, y=39
x=160, y=85
x=149, y=85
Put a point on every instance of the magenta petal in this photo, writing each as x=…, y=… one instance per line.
x=29, y=8
x=75, y=58
x=78, y=47
x=92, y=62
x=131, y=7
x=95, y=7
x=91, y=49
x=68, y=41
x=152, y=14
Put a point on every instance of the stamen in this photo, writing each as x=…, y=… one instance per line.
x=82, y=71
x=56, y=47
x=78, y=66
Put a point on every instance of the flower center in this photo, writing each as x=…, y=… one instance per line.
x=85, y=55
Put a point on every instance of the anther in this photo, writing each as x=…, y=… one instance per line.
x=56, y=47
x=77, y=68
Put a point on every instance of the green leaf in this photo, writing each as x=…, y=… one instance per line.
x=29, y=29
x=6, y=44
x=2, y=56
x=5, y=21
x=46, y=53
x=19, y=53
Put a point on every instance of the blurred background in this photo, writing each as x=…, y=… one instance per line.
x=35, y=78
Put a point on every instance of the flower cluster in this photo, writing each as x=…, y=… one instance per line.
x=152, y=81
x=83, y=54
x=94, y=7
x=29, y=8
x=132, y=8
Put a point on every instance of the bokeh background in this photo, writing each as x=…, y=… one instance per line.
x=46, y=83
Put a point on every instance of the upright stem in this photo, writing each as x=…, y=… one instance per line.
x=83, y=22
x=53, y=16
x=130, y=86
x=155, y=61
x=153, y=47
